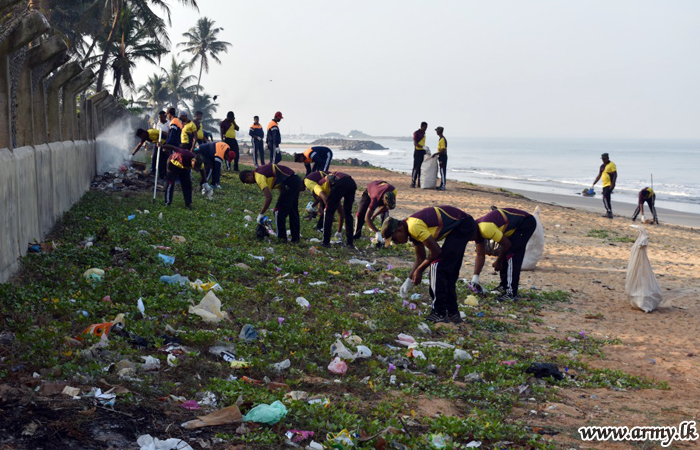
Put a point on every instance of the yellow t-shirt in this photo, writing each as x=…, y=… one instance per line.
x=609, y=168
x=490, y=230
x=200, y=132
x=419, y=230
x=325, y=188
x=231, y=132
x=153, y=136
x=188, y=129
x=442, y=145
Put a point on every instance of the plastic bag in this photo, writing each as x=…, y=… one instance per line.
x=147, y=442
x=338, y=366
x=209, y=309
x=269, y=414
x=535, y=246
x=223, y=416
x=429, y=172
x=641, y=286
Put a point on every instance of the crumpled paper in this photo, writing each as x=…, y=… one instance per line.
x=230, y=414
x=209, y=309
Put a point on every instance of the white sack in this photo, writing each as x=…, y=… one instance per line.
x=641, y=287
x=535, y=246
x=429, y=172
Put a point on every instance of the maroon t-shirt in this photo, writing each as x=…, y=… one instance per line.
x=376, y=190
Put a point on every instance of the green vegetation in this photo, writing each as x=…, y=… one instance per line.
x=44, y=305
x=608, y=235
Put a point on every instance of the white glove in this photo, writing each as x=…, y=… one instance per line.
x=403, y=291
x=277, y=150
x=310, y=207
x=260, y=218
x=379, y=237
x=338, y=235
x=475, y=279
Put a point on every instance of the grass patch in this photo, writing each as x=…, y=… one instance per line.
x=49, y=301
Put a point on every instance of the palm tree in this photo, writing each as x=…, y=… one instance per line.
x=202, y=43
x=148, y=19
x=154, y=91
x=178, y=85
x=135, y=44
x=206, y=104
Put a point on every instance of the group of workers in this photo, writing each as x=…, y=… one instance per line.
x=608, y=174
x=420, y=151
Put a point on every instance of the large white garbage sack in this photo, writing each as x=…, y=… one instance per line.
x=535, y=246
x=429, y=172
x=641, y=287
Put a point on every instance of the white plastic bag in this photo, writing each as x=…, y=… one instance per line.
x=641, y=287
x=535, y=246
x=429, y=172
x=209, y=309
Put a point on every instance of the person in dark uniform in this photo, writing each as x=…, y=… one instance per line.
x=310, y=182
x=274, y=138
x=180, y=165
x=418, y=153
x=649, y=196
x=320, y=156
x=257, y=135
x=511, y=228
x=273, y=176
x=228, y=128
x=333, y=189
x=426, y=228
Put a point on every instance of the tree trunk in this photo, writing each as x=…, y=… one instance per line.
x=89, y=52
x=117, y=82
x=108, y=44
x=199, y=80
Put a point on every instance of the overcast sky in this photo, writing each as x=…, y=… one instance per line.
x=496, y=68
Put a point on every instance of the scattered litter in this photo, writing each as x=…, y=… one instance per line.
x=474, y=444
x=201, y=286
x=313, y=445
x=373, y=291
x=167, y=259
x=190, y=404
x=239, y=364
x=317, y=283
x=339, y=349
x=344, y=439
x=259, y=258
x=304, y=303
x=424, y=328
x=105, y=398
x=415, y=296
x=149, y=443
x=150, y=363
x=268, y=414
x=471, y=301
x=510, y=362
x=225, y=416
x=94, y=274
x=247, y=218
x=361, y=261
x=457, y=367
x=243, y=266
x=209, y=309
x=107, y=299
x=71, y=391
x=315, y=240
x=299, y=435
x=414, y=353
x=439, y=440
x=338, y=366
x=248, y=333
x=296, y=395
x=283, y=365
x=406, y=340
x=131, y=217
x=174, y=279
x=461, y=355
x=543, y=370
x=160, y=216
x=141, y=306
x=436, y=344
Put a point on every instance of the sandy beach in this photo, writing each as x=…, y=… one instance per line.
x=663, y=345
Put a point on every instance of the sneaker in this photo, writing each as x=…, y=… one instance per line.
x=441, y=188
x=413, y=185
x=607, y=215
x=435, y=317
x=500, y=290
x=454, y=318
x=507, y=298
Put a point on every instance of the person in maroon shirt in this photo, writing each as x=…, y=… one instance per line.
x=333, y=189
x=377, y=200
x=179, y=167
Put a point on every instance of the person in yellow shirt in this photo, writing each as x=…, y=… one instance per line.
x=442, y=157
x=228, y=128
x=649, y=196
x=418, y=153
x=425, y=229
x=198, y=117
x=188, y=137
x=608, y=173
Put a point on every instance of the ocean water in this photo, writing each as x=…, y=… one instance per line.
x=561, y=166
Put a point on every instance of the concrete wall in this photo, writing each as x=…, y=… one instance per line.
x=39, y=180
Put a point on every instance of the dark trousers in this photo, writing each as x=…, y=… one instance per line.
x=176, y=173
x=216, y=171
x=162, y=164
x=362, y=212
x=342, y=190
x=651, y=201
x=274, y=156
x=236, y=152
x=258, y=152
x=510, y=270
x=606, y=199
x=418, y=157
x=442, y=160
x=444, y=271
x=322, y=163
x=288, y=206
